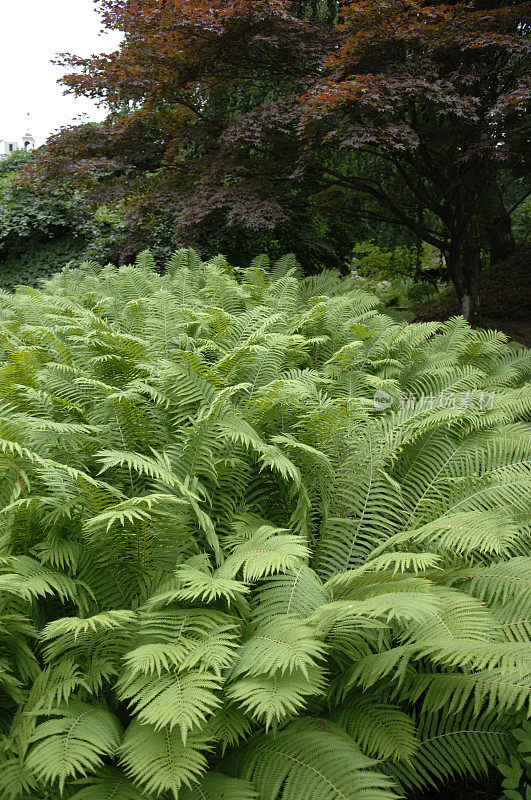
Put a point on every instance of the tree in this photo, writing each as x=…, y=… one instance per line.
x=40, y=231
x=437, y=94
x=251, y=114
x=182, y=74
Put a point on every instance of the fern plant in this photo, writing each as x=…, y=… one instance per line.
x=226, y=573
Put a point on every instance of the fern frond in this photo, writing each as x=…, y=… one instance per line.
x=381, y=730
x=210, y=530
x=207, y=585
x=158, y=760
x=497, y=690
x=312, y=759
x=298, y=593
x=72, y=742
x=216, y=786
x=452, y=746
x=284, y=645
x=272, y=698
x=29, y=579
x=109, y=782
x=173, y=699
x=268, y=551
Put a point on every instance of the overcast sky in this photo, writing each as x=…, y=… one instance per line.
x=31, y=33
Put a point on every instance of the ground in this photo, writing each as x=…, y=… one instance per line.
x=466, y=790
x=505, y=299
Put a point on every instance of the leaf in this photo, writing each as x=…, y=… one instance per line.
x=171, y=699
x=283, y=645
x=271, y=698
x=109, y=783
x=311, y=756
x=216, y=786
x=73, y=740
x=159, y=761
x=267, y=552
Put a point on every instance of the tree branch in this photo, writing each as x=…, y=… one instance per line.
x=519, y=202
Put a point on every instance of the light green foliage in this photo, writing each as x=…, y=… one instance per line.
x=403, y=276
x=72, y=740
x=225, y=572
x=374, y=262
x=522, y=222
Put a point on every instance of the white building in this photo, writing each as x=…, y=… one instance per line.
x=8, y=147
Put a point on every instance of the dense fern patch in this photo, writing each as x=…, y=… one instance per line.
x=227, y=573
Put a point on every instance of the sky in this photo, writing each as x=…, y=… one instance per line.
x=32, y=32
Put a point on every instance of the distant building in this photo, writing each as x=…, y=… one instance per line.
x=6, y=147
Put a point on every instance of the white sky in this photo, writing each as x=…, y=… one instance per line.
x=31, y=33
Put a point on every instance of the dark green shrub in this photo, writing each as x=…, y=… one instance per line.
x=40, y=233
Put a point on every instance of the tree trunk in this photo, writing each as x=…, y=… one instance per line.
x=502, y=243
x=463, y=260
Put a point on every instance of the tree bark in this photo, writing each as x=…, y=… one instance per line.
x=463, y=260
x=502, y=244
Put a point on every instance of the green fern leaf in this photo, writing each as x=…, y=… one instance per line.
x=312, y=759
x=158, y=760
x=216, y=786
x=74, y=741
x=109, y=784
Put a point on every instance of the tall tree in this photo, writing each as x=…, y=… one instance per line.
x=438, y=93
x=253, y=113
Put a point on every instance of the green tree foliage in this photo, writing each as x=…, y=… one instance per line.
x=304, y=122
x=39, y=231
x=226, y=571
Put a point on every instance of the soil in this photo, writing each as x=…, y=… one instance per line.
x=517, y=330
x=466, y=790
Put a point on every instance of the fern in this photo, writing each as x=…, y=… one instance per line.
x=224, y=573
x=72, y=741
x=315, y=757
x=159, y=761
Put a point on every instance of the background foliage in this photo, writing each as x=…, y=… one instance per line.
x=40, y=231
x=308, y=125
